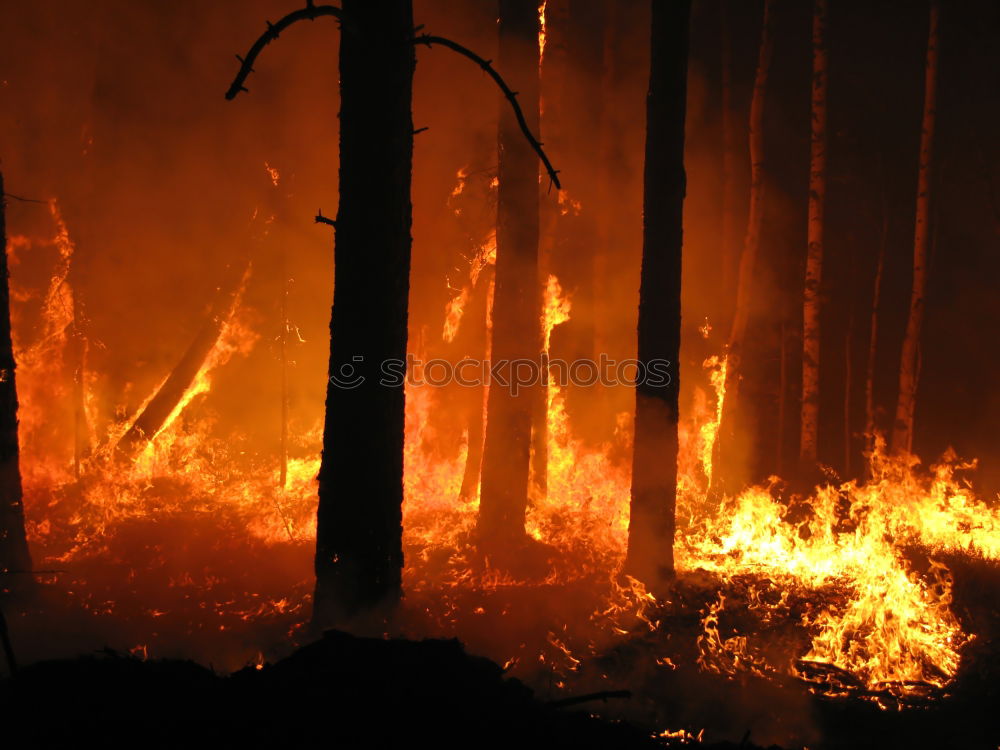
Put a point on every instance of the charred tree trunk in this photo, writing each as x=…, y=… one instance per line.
x=748, y=258
x=359, y=543
x=814, y=256
x=169, y=395
x=14, y=553
x=654, y=462
x=516, y=309
x=909, y=367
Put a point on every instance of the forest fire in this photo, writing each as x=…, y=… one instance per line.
x=674, y=498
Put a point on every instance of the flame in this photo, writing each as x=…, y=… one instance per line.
x=273, y=173
x=843, y=554
x=541, y=32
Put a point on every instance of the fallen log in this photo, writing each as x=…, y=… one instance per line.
x=153, y=417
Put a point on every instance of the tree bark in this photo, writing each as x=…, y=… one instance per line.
x=359, y=550
x=748, y=258
x=654, y=463
x=516, y=302
x=14, y=554
x=909, y=367
x=814, y=256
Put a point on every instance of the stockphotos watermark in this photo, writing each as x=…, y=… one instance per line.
x=513, y=374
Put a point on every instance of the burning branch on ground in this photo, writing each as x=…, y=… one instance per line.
x=169, y=395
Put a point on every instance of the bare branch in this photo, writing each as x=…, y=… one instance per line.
x=309, y=13
x=321, y=219
x=487, y=66
x=23, y=200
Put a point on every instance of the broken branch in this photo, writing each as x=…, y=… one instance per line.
x=511, y=96
x=309, y=13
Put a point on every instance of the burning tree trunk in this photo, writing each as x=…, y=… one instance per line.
x=359, y=552
x=909, y=367
x=751, y=244
x=654, y=463
x=516, y=301
x=814, y=256
x=14, y=554
x=161, y=406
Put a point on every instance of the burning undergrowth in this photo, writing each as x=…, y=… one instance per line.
x=863, y=592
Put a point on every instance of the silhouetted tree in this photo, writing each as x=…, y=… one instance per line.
x=14, y=554
x=654, y=463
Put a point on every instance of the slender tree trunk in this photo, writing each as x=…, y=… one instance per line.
x=14, y=553
x=902, y=431
x=814, y=256
x=779, y=454
x=78, y=357
x=848, y=378
x=516, y=308
x=359, y=546
x=477, y=334
x=873, y=330
x=728, y=237
x=283, y=470
x=654, y=461
x=748, y=259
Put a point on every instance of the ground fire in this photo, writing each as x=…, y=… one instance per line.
x=655, y=407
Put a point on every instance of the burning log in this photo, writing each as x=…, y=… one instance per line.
x=14, y=554
x=169, y=395
x=654, y=463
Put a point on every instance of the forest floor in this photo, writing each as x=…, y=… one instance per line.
x=353, y=691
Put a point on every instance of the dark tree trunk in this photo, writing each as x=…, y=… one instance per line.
x=359, y=544
x=14, y=553
x=516, y=301
x=654, y=462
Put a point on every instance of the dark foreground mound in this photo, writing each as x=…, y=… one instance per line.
x=341, y=691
